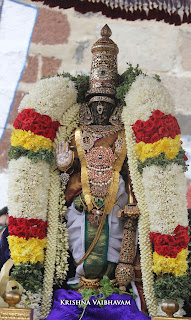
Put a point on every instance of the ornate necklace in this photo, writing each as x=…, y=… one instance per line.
x=100, y=168
x=95, y=132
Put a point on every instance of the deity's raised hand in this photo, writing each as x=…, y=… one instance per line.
x=64, y=156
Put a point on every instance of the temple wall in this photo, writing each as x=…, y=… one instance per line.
x=62, y=40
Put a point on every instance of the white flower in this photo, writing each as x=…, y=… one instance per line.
x=31, y=300
x=146, y=95
x=28, y=188
x=52, y=96
x=165, y=194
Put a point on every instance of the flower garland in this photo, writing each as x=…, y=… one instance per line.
x=176, y=266
x=26, y=250
x=29, y=140
x=28, y=189
x=156, y=135
x=170, y=245
x=170, y=147
x=56, y=264
x=31, y=300
x=27, y=228
x=165, y=197
x=34, y=156
x=138, y=189
x=29, y=120
x=51, y=97
x=29, y=177
x=156, y=128
x=164, y=162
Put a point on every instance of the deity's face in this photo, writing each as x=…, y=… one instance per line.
x=101, y=112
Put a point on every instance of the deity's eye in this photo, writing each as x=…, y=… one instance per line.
x=100, y=156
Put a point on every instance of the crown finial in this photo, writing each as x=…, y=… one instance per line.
x=106, y=31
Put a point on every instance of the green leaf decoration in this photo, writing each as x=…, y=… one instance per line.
x=30, y=276
x=163, y=162
x=106, y=290
x=170, y=287
x=41, y=154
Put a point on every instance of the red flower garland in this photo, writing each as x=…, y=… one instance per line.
x=170, y=245
x=39, y=124
x=156, y=128
x=27, y=228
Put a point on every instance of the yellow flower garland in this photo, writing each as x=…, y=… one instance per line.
x=29, y=140
x=167, y=145
x=177, y=266
x=22, y=250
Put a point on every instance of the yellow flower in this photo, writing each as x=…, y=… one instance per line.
x=29, y=140
x=177, y=266
x=22, y=250
x=169, y=146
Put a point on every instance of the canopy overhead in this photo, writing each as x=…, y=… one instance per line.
x=170, y=11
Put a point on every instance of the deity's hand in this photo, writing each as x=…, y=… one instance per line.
x=64, y=156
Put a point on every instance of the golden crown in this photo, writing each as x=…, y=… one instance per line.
x=104, y=65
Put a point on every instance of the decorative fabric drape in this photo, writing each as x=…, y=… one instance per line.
x=170, y=11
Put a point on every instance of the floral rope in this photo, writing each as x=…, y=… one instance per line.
x=155, y=136
x=143, y=224
x=57, y=230
x=53, y=213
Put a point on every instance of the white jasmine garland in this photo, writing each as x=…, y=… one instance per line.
x=53, y=214
x=143, y=225
x=165, y=194
x=51, y=96
x=28, y=188
x=68, y=124
x=145, y=96
x=57, y=235
x=62, y=255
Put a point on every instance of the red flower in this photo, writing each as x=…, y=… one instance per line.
x=158, y=114
x=180, y=230
x=55, y=125
x=17, y=124
x=149, y=125
x=158, y=123
x=155, y=138
x=34, y=232
x=33, y=222
x=164, y=132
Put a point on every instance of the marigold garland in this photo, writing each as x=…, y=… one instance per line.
x=22, y=250
x=176, y=266
x=29, y=140
x=169, y=146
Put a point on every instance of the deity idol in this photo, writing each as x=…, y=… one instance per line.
x=115, y=164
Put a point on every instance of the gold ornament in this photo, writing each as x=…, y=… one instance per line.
x=104, y=65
